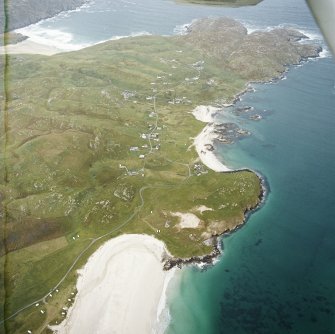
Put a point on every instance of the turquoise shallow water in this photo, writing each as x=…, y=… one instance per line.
x=277, y=273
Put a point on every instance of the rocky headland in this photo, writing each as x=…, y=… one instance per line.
x=258, y=56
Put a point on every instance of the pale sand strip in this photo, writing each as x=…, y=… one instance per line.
x=203, y=208
x=29, y=47
x=205, y=113
x=119, y=289
x=187, y=220
x=208, y=158
x=206, y=137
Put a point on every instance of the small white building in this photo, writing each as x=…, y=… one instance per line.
x=141, y=156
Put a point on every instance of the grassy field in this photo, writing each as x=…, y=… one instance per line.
x=99, y=143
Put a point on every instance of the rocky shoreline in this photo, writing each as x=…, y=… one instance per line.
x=230, y=129
x=170, y=262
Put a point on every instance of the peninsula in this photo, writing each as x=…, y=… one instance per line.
x=105, y=141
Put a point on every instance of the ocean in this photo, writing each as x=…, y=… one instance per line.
x=277, y=273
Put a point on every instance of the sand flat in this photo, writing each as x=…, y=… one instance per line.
x=206, y=137
x=187, y=220
x=29, y=47
x=205, y=113
x=208, y=158
x=119, y=289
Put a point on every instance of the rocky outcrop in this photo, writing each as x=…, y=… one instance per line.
x=258, y=56
x=11, y=38
x=171, y=262
x=216, y=37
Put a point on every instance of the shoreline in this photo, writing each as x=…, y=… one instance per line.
x=213, y=163
x=204, y=141
x=210, y=259
x=29, y=47
x=125, y=283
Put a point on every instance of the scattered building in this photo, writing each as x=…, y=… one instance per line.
x=199, y=169
x=127, y=94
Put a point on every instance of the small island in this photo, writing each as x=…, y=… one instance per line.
x=111, y=140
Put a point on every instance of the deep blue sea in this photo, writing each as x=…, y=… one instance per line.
x=277, y=273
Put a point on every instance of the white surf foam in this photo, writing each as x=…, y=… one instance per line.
x=57, y=38
x=311, y=35
x=134, y=34
x=163, y=314
x=325, y=53
x=63, y=40
x=182, y=29
x=317, y=37
x=51, y=37
x=114, y=38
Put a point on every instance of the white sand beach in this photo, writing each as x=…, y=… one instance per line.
x=119, y=289
x=206, y=138
x=29, y=47
x=205, y=113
